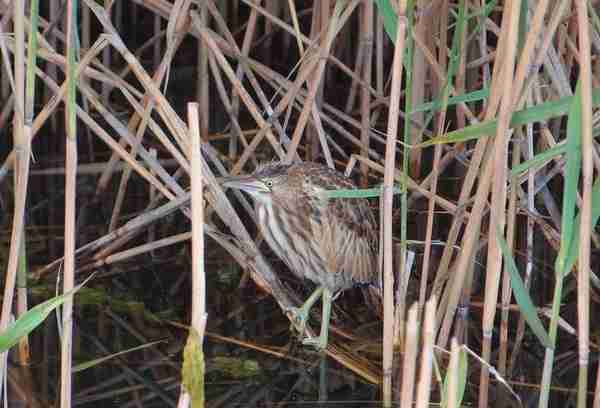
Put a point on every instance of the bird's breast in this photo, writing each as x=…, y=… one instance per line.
x=293, y=240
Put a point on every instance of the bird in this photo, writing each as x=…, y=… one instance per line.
x=332, y=242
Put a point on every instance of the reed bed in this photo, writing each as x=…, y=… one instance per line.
x=470, y=125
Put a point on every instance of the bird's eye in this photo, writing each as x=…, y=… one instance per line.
x=269, y=183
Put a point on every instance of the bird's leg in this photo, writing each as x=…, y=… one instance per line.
x=300, y=314
x=321, y=341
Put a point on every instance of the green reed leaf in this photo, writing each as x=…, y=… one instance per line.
x=33, y=318
x=572, y=170
x=521, y=295
x=97, y=361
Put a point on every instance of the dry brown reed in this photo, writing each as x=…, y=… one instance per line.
x=435, y=101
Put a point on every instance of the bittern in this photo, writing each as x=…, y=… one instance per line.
x=332, y=242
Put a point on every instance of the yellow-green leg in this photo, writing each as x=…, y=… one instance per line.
x=321, y=341
x=301, y=314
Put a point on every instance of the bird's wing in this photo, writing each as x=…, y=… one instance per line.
x=347, y=231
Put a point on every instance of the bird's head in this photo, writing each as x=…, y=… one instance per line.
x=264, y=183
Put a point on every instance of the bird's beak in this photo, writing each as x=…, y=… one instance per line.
x=249, y=184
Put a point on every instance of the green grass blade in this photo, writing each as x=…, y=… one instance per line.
x=474, y=96
x=97, y=361
x=462, y=380
x=389, y=17
x=357, y=193
x=539, y=159
x=521, y=295
x=464, y=135
x=32, y=318
x=538, y=113
x=572, y=253
x=572, y=170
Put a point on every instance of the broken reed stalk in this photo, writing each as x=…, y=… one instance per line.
x=428, y=330
x=199, y=316
x=409, y=360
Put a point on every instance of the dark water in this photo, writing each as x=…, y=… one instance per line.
x=123, y=308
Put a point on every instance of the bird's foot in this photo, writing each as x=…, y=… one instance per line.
x=320, y=343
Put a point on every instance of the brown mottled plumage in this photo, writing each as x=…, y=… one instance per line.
x=332, y=242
